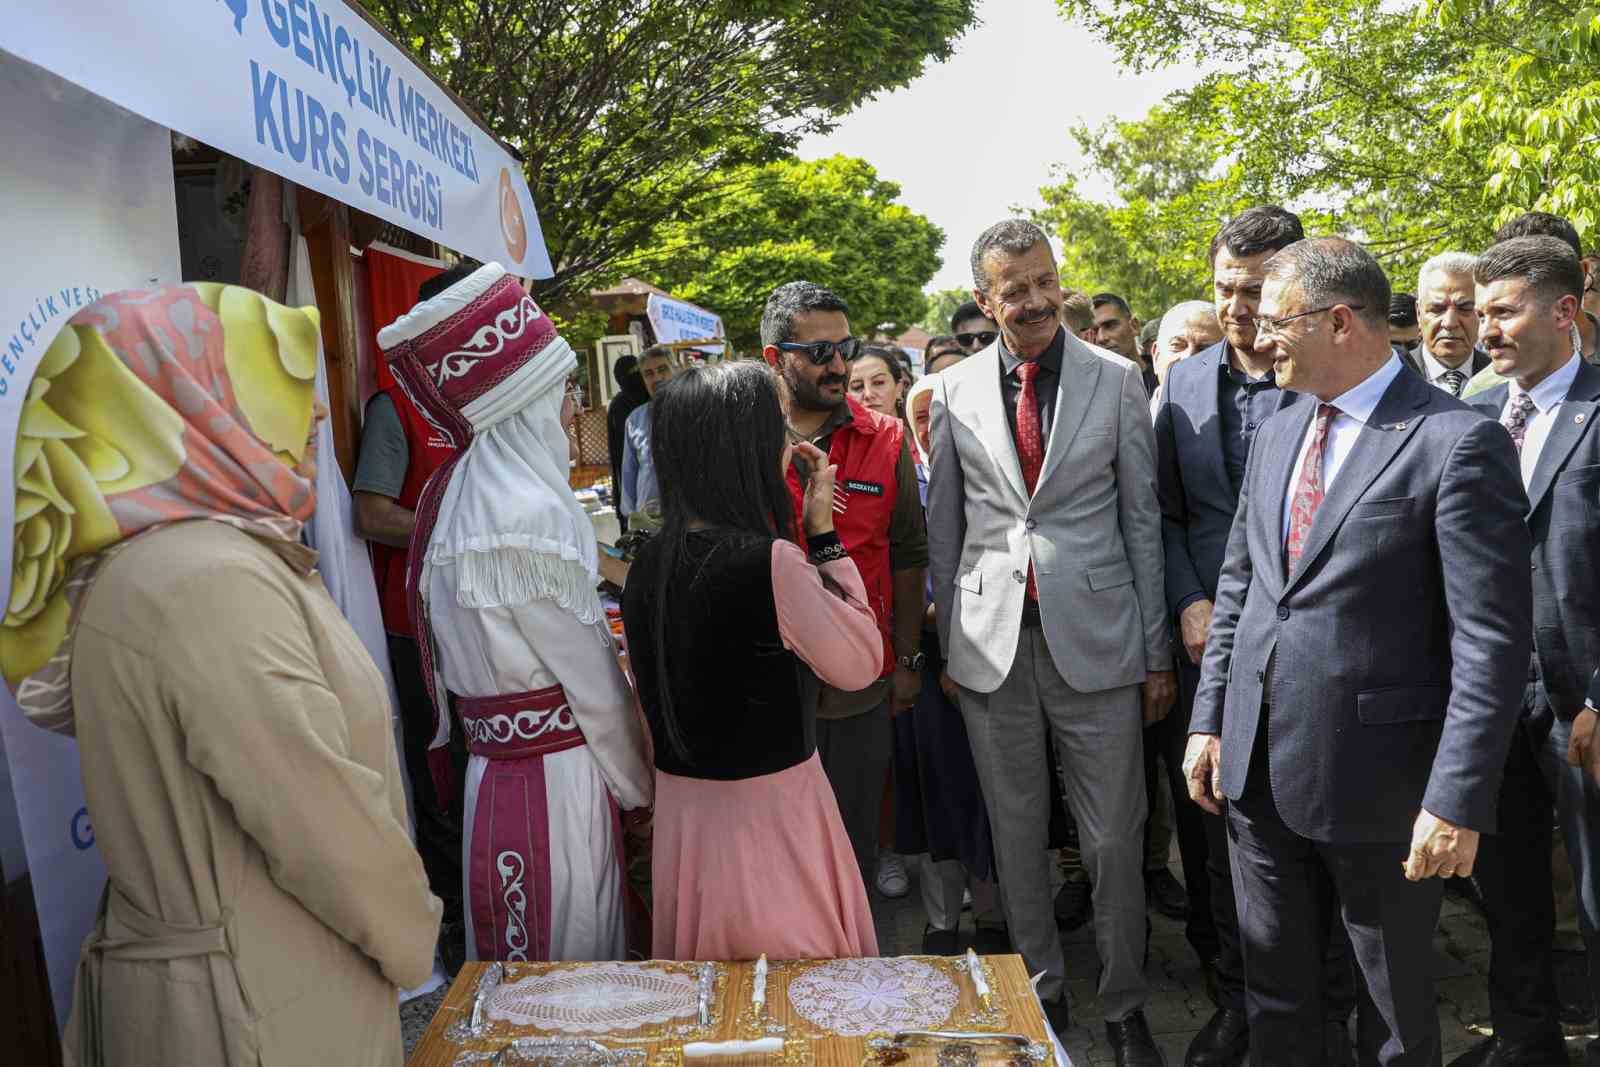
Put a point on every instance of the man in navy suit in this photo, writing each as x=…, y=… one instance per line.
x=1528, y=291
x=1360, y=683
x=1211, y=407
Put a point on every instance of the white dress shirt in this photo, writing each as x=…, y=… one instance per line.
x=1547, y=397
x=1355, y=410
x=1436, y=370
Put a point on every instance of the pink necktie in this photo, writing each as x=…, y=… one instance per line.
x=1308, y=491
x=1030, y=447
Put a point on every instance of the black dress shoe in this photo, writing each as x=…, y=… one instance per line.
x=1166, y=894
x=1130, y=1040
x=992, y=940
x=1224, y=1041
x=1492, y=1052
x=1058, y=1015
x=1074, y=904
x=936, y=942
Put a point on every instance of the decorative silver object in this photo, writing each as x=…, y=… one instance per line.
x=475, y=1024
x=555, y=1052
x=960, y=1044
x=708, y=984
x=958, y=1054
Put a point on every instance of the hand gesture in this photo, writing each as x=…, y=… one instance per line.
x=1160, y=693
x=1193, y=627
x=1202, y=769
x=1439, y=847
x=818, y=517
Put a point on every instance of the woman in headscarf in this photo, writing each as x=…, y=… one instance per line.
x=264, y=900
x=504, y=569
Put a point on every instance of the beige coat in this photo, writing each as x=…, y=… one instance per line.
x=265, y=897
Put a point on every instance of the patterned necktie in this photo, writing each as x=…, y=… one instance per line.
x=1453, y=381
x=1309, y=490
x=1030, y=445
x=1516, y=420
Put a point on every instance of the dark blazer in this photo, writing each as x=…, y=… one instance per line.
x=1197, y=497
x=1400, y=640
x=1564, y=519
x=1413, y=359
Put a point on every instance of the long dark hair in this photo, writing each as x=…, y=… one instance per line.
x=717, y=437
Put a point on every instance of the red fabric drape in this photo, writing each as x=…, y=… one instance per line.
x=392, y=287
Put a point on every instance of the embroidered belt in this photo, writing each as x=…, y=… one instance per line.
x=518, y=725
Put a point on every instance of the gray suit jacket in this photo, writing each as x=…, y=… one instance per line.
x=1398, y=646
x=1564, y=519
x=1092, y=528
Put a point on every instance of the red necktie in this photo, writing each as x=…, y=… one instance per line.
x=1030, y=446
x=1308, y=491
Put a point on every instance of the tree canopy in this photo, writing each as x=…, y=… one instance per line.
x=831, y=221
x=627, y=112
x=1414, y=127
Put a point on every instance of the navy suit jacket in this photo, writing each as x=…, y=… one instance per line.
x=1400, y=640
x=1564, y=520
x=1197, y=497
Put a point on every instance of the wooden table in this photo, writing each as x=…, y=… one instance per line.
x=1013, y=1009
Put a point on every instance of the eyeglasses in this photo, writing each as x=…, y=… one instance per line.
x=1266, y=328
x=821, y=353
x=982, y=338
x=1408, y=346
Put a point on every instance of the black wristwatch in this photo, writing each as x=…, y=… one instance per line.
x=911, y=663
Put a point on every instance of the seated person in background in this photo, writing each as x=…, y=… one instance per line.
x=730, y=631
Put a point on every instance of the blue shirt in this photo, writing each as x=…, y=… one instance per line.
x=1243, y=404
x=638, y=468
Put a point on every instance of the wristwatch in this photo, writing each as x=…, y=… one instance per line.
x=912, y=663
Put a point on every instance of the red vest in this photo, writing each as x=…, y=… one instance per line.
x=867, y=453
x=427, y=451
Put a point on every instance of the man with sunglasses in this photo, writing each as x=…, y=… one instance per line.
x=974, y=330
x=805, y=334
x=1404, y=335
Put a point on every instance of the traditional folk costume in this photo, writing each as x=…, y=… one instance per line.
x=503, y=586
x=263, y=900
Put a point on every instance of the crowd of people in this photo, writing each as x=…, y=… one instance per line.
x=1295, y=575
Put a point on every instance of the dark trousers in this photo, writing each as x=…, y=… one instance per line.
x=855, y=754
x=1292, y=893
x=438, y=831
x=1338, y=983
x=1167, y=740
x=1513, y=873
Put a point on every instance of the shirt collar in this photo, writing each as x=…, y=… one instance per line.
x=1554, y=389
x=1049, y=360
x=1361, y=401
x=840, y=416
x=1436, y=370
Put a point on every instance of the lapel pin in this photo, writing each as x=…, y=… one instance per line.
x=1579, y=417
x=1400, y=425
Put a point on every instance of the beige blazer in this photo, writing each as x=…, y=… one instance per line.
x=239, y=762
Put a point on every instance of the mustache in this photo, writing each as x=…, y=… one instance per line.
x=1039, y=315
x=832, y=379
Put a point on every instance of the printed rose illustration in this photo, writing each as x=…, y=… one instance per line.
x=271, y=355
x=89, y=430
x=513, y=227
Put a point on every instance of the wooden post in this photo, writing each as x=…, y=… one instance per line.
x=326, y=225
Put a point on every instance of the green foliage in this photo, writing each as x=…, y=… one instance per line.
x=831, y=221
x=629, y=112
x=1412, y=126
x=941, y=305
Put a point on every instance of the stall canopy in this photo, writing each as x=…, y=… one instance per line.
x=310, y=90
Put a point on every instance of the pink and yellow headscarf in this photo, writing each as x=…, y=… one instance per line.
x=150, y=407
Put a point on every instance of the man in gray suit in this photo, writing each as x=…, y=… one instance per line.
x=1044, y=543
x=1367, y=653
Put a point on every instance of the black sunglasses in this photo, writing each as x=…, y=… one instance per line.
x=821, y=353
x=984, y=338
x=1409, y=346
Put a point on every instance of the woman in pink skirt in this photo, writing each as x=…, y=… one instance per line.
x=730, y=626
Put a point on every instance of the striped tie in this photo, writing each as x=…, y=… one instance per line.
x=1453, y=380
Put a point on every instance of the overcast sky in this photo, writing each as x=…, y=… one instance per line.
x=976, y=136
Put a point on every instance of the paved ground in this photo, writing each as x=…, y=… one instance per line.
x=1178, y=1003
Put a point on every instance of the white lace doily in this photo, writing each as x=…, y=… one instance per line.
x=856, y=997
x=595, y=999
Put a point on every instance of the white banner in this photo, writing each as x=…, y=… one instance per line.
x=307, y=89
x=678, y=320
x=86, y=192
